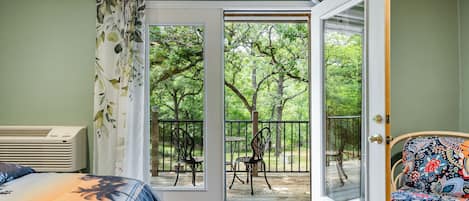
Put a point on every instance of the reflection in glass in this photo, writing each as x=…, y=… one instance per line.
x=343, y=60
x=177, y=105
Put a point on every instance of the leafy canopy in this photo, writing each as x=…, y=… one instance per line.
x=266, y=69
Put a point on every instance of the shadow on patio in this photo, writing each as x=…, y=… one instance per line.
x=285, y=186
x=287, y=158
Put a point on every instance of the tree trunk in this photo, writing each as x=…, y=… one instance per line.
x=254, y=86
x=155, y=140
x=176, y=109
x=279, y=114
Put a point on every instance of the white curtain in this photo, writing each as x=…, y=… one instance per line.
x=121, y=140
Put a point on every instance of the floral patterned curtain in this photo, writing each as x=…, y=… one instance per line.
x=121, y=144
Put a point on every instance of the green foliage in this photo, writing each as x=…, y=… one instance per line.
x=176, y=71
x=266, y=69
x=343, y=60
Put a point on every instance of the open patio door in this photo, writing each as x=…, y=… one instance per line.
x=341, y=27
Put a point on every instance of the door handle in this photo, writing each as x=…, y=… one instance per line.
x=378, y=118
x=378, y=139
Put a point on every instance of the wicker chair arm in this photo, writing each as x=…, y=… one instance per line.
x=396, y=180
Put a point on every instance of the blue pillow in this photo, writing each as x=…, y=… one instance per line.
x=10, y=171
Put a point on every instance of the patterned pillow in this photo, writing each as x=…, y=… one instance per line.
x=437, y=165
x=9, y=172
x=410, y=194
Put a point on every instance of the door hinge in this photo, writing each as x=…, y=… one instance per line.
x=388, y=139
x=388, y=119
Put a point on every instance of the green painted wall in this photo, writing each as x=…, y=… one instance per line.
x=424, y=66
x=47, y=62
x=464, y=45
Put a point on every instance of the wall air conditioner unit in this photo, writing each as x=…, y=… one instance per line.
x=44, y=148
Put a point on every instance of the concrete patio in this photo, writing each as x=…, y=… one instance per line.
x=285, y=186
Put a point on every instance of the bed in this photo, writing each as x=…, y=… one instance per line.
x=19, y=183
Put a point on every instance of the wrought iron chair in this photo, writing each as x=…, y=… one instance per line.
x=184, y=146
x=336, y=150
x=338, y=156
x=259, y=144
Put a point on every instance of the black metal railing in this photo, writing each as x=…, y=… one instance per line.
x=167, y=155
x=344, y=131
x=289, y=150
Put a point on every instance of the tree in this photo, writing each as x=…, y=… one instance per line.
x=176, y=71
x=277, y=57
x=343, y=60
x=286, y=47
x=268, y=52
x=266, y=70
x=241, y=58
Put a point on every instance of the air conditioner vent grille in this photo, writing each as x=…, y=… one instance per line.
x=44, y=149
x=24, y=132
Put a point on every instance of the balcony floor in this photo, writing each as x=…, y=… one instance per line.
x=285, y=186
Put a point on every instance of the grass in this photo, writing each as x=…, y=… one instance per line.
x=298, y=160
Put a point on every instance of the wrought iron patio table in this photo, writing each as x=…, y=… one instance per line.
x=234, y=139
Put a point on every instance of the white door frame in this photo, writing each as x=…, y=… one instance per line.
x=210, y=14
x=375, y=185
x=376, y=98
x=212, y=17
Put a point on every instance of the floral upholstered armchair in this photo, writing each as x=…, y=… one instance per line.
x=435, y=167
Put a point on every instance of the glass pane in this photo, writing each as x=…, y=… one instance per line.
x=177, y=105
x=266, y=93
x=343, y=60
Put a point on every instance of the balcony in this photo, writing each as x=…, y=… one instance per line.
x=287, y=157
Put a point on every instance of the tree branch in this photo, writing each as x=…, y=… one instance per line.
x=190, y=94
x=240, y=96
x=170, y=73
x=297, y=77
x=263, y=80
x=171, y=108
x=293, y=96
